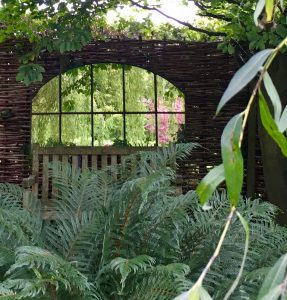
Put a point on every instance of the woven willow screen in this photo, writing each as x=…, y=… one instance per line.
x=198, y=70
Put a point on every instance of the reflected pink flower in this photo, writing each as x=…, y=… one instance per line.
x=150, y=127
x=178, y=107
x=163, y=124
x=163, y=118
x=150, y=120
x=148, y=103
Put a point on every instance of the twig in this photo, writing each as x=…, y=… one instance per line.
x=217, y=250
x=186, y=24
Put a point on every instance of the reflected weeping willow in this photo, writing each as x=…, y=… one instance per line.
x=105, y=105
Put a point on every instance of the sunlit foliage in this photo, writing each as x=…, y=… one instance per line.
x=123, y=110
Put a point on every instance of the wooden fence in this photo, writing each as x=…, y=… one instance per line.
x=93, y=158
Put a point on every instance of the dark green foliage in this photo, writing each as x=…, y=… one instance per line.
x=30, y=73
x=123, y=233
x=267, y=242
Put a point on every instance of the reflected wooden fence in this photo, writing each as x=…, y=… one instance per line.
x=93, y=158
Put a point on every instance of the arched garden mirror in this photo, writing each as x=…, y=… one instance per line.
x=108, y=104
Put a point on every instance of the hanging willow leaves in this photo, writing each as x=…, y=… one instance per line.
x=270, y=125
x=274, y=294
x=247, y=240
x=243, y=76
x=274, y=96
x=192, y=294
x=195, y=293
x=204, y=295
x=282, y=126
x=258, y=10
x=269, y=8
x=209, y=183
x=232, y=158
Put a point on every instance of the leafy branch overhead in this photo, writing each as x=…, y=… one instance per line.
x=30, y=73
x=59, y=27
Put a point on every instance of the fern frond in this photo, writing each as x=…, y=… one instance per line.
x=203, y=234
x=11, y=195
x=126, y=266
x=174, y=269
x=154, y=287
x=134, y=229
x=50, y=271
x=79, y=238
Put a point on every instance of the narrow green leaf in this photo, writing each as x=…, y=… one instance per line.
x=204, y=294
x=269, y=7
x=243, y=76
x=273, y=294
x=183, y=296
x=194, y=293
x=247, y=241
x=270, y=125
x=209, y=183
x=274, y=278
x=274, y=97
x=232, y=158
x=282, y=126
x=258, y=10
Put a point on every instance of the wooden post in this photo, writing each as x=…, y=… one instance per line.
x=84, y=162
x=27, y=183
x=94, y=162
x=55, y=159
x=45, y=180
x=35, y=169
x=104, y=161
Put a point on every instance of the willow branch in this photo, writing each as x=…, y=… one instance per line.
x=215, y=16
x=186, y=24
x=227, y=1
x=206, y=13
x=217, y=250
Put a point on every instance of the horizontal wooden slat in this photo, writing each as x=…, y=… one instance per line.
x=91, y=150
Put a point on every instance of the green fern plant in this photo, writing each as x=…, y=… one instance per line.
x=124, y=233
